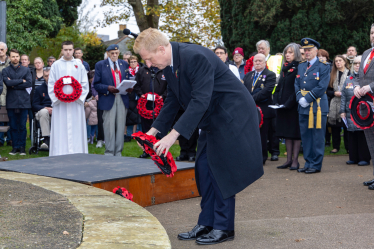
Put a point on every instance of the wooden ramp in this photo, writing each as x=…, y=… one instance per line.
x=140, y=176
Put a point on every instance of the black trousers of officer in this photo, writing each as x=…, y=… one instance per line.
x=336, y=138
x=273, y=145
x=216, y=212
x=264, y=132
x=188, y=147
x=358, y=147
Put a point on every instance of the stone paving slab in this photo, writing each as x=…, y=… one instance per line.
x=286, y=209
x=111, y=221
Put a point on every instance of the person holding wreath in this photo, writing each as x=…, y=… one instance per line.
x=67, y=88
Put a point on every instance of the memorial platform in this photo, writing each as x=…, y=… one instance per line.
x=140, y=176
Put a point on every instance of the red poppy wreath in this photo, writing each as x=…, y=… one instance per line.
x=67, y=98
x=165, y=164
x=123, y=192
x=144, y=112
x=260, y=116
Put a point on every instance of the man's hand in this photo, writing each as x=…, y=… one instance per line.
x=129, y=90
x=49, y=110
x=342, y=115
x=364, y=90
x=112, y=89
x=160, y=97
x=8, y=78
x=97, y=97
x=24, y=81
x=303, y=102
x=143, y=96
x=337, y=94
x=85, y=104
x=165, y=143
x=357, y=91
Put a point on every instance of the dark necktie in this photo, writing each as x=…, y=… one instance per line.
x=308, y=64
x=115, y=67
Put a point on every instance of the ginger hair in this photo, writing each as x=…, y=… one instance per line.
x=150, y=39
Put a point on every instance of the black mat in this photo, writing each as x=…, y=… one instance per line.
x=87, y=168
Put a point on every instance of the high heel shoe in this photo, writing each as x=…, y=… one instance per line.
x=295, y=168
x=285, y=166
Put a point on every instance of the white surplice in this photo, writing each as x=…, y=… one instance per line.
x=68, y=126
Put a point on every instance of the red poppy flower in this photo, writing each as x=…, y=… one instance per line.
x=351, y=78
x=76, y=66
x=297, y=76
x=123, y=192
x=291, y=70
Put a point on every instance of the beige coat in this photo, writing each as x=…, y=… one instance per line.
x=3, y=94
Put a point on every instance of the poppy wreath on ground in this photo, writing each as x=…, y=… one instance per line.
x=365, y=103
x=260, y=116
x=123, y=192
x=67, y=98
x=165, y=164
x=144, y=112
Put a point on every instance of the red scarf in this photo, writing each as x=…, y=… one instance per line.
x=133, y=71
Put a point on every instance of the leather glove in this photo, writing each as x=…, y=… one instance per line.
x=112, y=89
x=303, y=102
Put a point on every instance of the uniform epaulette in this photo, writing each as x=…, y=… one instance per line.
x=324, y=62
x=302, y=62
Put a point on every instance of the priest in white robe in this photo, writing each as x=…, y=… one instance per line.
x=68, y=126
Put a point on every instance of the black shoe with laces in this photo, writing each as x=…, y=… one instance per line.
x=22, y=151
x=13, y=152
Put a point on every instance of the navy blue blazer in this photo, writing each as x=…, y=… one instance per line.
x=217, y=102
x=104, y=78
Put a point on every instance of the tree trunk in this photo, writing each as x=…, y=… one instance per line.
x=144, y=21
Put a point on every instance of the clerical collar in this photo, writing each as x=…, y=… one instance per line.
x=267, y=57
x=312, y=61
x=171, y=52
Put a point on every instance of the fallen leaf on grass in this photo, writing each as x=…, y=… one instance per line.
x=65, y=233
x=299, y=240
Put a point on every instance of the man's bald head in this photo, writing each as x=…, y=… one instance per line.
x=259, y=62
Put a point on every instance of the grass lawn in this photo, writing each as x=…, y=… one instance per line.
x=131, y=149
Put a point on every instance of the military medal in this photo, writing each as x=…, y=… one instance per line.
x=317, y=76
x=262, y=86
x=368, y=61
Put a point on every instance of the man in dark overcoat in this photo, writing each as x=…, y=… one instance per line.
x=215, y=101
x=260, y=83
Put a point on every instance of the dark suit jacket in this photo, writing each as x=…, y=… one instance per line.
x=41, y=98
x=215, y=101
x=104, y=78
x=262, y=92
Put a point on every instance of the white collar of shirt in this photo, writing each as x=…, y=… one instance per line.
x=171, y=52
x=259, y=73
x=312, y=61
x=111, y=63
x=267, y=57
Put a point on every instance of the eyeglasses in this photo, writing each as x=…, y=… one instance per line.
x=219, y=53
x=356, y=63
x=46, y=68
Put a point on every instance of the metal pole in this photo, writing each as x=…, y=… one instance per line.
x=3, y=21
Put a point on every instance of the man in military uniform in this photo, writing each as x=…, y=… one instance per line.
x=310, y=86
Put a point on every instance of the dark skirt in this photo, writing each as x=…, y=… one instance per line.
x=288, y=123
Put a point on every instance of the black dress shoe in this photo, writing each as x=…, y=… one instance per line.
x=363, y=163
x=302, y=170
x=368, y=183
x=182, y=158
x=191, y=159
x=144, y=155
x=285, y=166
x=274, y=158
x=311, y=171
x=350, y=162
x=196, y=232
x=295, y=168
x=215, y=237
x=371, y=187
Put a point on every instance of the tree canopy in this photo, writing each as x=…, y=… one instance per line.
x=30, y=22
x=194, y=21
x=69, y=10
x=336, y=24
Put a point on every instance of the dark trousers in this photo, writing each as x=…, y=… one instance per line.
x=328, y=133
x=313, y=142
x=17, y=123
x=100, y=125
x=146, y=124
x=273, y=144
x=188, y=147
x=216, y=212
x=358, y=147
x=9, y=137
x=264, y=132
x=336, y=138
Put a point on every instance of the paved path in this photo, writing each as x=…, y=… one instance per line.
x=285, y=209
x=33, y=217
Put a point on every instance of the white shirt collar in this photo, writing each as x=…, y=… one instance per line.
x=171, y=52
x=111, y=63
x=267, y=57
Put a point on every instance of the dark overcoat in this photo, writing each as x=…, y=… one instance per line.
x=262, y=90
x=104, y=78
x=216, y=102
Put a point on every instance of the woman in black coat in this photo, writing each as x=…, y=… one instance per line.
x=287, y=119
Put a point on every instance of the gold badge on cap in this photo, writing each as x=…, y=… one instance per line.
x=115, y=48
x=305, y=41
